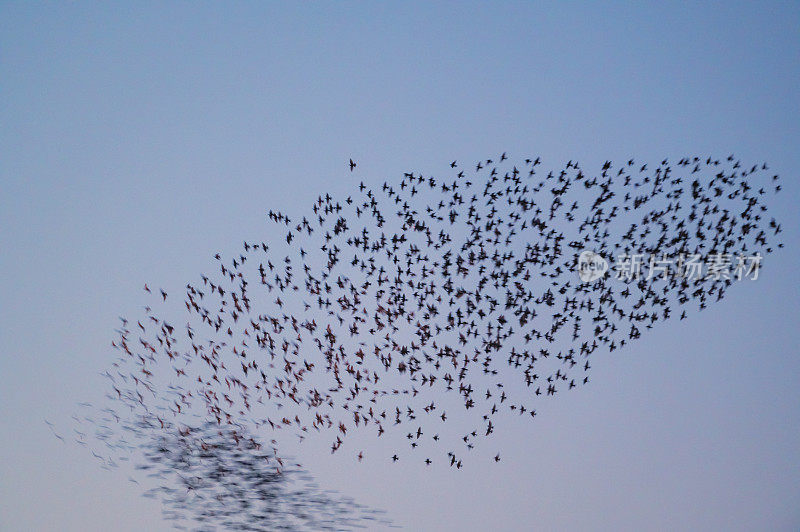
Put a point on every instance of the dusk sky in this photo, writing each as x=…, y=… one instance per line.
x=138, y=139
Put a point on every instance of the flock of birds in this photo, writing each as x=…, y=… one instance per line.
x=427, y=313
x=215, y=481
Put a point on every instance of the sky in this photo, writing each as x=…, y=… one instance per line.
x=137, y=139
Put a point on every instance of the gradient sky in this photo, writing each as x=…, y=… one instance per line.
x=137, y=139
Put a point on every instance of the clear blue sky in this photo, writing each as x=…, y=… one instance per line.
x=138, y=138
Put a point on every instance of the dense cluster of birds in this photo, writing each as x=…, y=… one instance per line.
x=209, y=478
x=428, y=312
